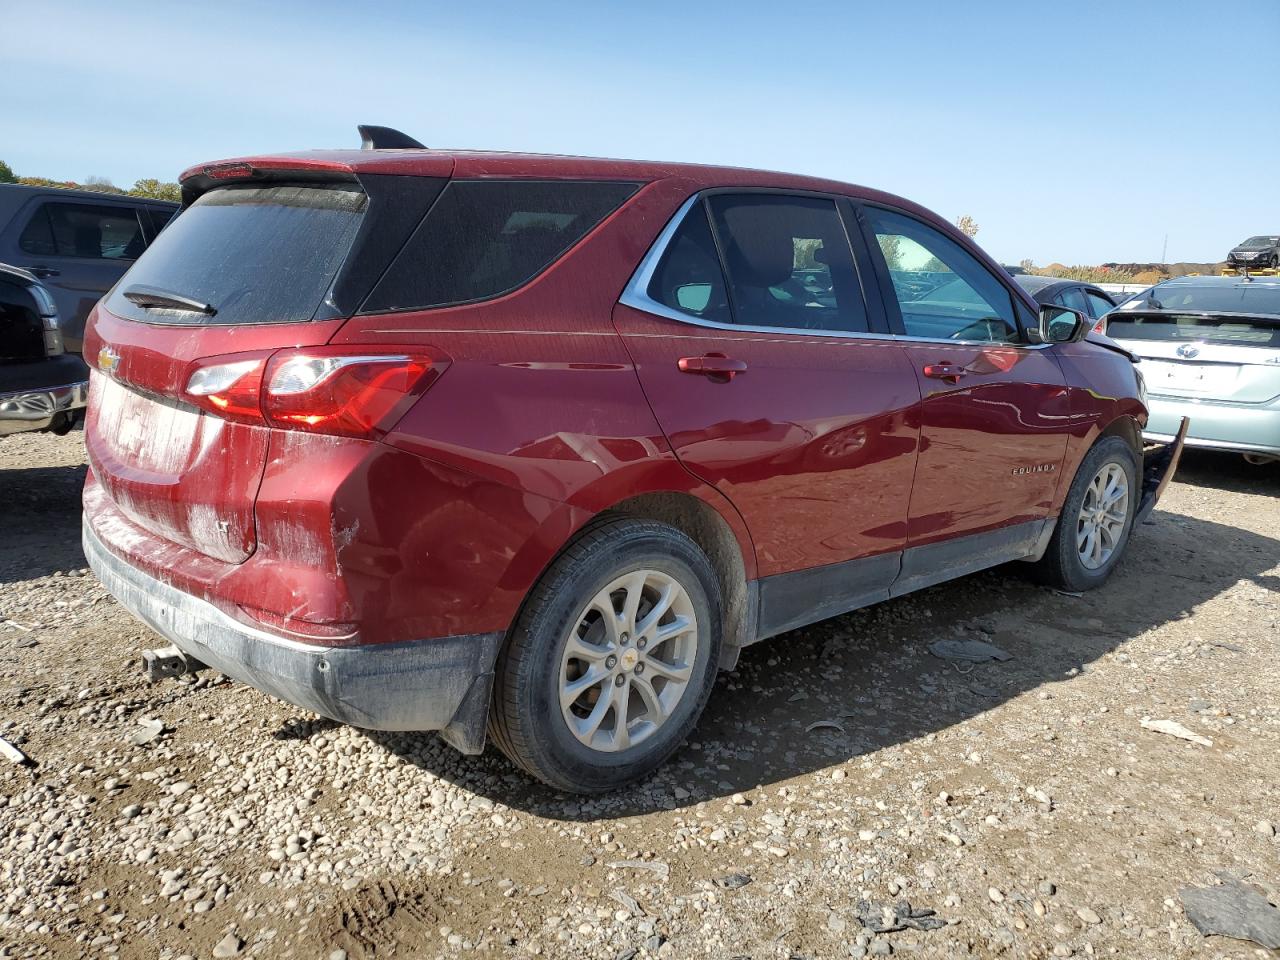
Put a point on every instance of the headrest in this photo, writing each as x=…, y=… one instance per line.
x=759, y=254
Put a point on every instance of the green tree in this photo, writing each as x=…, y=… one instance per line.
x=156, y=189
x=6, y=173
x=890, y=247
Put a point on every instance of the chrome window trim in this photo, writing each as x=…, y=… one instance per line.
x=636, y=295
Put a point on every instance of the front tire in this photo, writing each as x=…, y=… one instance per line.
x=1096, y=521
x=612, y=659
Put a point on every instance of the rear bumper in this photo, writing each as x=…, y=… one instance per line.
x=1243, y=427
x=441, y=684
x=38, y=409
x=1159, y=464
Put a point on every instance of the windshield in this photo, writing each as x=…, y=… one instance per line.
x=1242, y=297
x=253, y=254
x=1260, y=241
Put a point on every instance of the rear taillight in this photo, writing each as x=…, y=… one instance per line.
x=351, y=391
x=1100, y=326
x=229, y=388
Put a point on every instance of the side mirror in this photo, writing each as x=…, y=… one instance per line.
x=1062, y=324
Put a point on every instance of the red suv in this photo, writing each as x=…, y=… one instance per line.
x=532, y=446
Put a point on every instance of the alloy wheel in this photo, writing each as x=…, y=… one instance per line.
x=1103, y=516
x=628, y=660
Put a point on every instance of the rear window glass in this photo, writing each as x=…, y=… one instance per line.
x=484, y=238
x=256, y=254
x=1241, y=297
x=1233, y=330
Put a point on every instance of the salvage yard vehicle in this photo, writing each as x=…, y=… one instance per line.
x=1261, y=252
x=1211, y=353
x=1076, y=294
x=535, y=445
x=78, y=242
x=42, y=387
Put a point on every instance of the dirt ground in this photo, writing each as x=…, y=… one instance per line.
x=1023, y=800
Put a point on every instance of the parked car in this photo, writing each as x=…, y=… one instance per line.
x=42, y=387
x=1211, y=352
x=78, y=242
x=424, y=440
x=1262, y=251
x=1076, y=294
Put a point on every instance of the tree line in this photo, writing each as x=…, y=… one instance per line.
x=147, y=187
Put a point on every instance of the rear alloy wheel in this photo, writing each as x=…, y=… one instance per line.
x=612, y=659
x=1096, y=520
x=628, y=661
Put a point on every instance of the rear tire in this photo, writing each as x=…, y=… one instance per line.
x=587, y=702
x=1096, y=521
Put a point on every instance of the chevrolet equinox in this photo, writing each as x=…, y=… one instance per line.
x=530, y=447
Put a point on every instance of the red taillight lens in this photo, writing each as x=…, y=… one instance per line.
x=328, y=390
x=352, y=391
x=228, y=386
x=1100, y=326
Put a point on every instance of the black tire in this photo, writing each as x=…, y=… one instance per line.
x=1061, y=565
x=526, y=721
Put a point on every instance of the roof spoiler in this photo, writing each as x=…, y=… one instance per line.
x=386, y=138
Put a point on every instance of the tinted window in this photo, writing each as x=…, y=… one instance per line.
x=37, y=235
x=1098, y=305
x=84, y=230
x=484, y=238
x=788, y=262
x=256, y=254
x=1073, y=297
x=941, y=289
x=159, y=217
x=688, y=277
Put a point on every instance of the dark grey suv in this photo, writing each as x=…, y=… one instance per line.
x=1259, y=252
x=78, y=242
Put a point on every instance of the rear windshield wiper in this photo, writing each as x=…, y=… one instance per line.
x=153, y=298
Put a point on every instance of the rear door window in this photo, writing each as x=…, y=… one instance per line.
x=1073, y=297
x=484, y=238
x=256, y=254
x=688, y=278
x=788, y=262
x=942, y=291
x=1098, y=305
x=84, y=230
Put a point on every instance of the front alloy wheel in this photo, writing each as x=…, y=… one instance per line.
x=1103, y=516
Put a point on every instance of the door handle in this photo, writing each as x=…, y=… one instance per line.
x=43, y=271
x=716, y=366
x=949, y=372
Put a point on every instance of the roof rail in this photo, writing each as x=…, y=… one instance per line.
x=386, y=138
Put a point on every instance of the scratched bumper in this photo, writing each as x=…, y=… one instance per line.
x=442, y=684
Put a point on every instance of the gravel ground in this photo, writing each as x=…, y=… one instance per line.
x=839, y=770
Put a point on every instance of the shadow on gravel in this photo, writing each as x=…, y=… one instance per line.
x=1228, y=471
x=871, y=672
x=40, y=521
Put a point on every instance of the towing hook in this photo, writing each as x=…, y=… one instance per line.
x=165, y=663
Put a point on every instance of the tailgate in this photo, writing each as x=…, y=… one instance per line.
x=183, y=474
x=245, y=269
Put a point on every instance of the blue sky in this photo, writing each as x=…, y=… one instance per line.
x=1082, y=134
